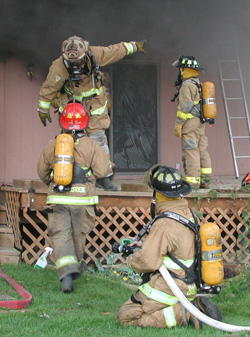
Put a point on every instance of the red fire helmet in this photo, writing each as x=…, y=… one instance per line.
x=74, y=117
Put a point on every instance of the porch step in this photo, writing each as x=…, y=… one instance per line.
x=29, y=184
x=3, y=217
x=6, y=236
x=9, y=255
x=135, y=187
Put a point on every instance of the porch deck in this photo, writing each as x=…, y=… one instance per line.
x=220, y=183
x=125, y=212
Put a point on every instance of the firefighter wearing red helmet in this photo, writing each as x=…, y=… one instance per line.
x=74, y=117
x=189, y=126
x=75, y=75
x=71, y=208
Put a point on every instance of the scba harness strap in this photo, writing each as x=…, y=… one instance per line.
x=193, y=272
x=75, y=75
x=202, y=118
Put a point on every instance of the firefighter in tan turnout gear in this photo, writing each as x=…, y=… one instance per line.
x=75, y=76
x=154, y=305
x=71, y=213
x=189, y=126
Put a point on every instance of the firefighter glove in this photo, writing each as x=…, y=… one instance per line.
x=139, y=46
x=177, y=130
x=43, y=116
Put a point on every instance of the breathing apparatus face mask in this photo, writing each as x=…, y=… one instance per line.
x=178, y=82
x=75, y=69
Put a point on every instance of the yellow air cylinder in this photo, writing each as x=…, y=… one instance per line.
x=64, y=159
x=212, y=271
x=208, y=100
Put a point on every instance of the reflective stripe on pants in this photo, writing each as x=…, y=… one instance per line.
x=169, y=317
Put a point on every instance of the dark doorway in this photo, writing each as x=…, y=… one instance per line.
x=134, y=117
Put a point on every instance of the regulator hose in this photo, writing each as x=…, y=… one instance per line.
x=193, y=310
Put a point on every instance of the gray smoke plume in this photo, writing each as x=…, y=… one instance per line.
x=33, y=30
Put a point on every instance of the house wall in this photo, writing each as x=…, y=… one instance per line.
x=22, y=136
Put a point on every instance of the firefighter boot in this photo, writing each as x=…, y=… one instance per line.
x=190, y=319
x=67, y=284
x=205, y=182
x=106, y=184
x=82, y=267
x=207, y=308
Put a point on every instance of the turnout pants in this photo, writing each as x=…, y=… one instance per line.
x=101, y=139
x=150, y=313
x=196, y=159
x=67, y=227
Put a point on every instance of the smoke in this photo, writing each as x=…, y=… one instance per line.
x=33, y=30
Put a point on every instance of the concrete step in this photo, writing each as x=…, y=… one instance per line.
x=6, y=236
x=3, y=217
x=6, y=229
x=9, y=255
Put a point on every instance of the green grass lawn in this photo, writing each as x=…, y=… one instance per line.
x=91, y=309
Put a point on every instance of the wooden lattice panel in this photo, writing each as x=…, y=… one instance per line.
x=234, y=232
x=116, y=223
x=113, y=225
x=35, y=237
x=12, y=211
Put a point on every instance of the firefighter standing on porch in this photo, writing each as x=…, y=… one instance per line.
x=154, y=304
x=71, y=209
x=188, y=126
x=75, y=76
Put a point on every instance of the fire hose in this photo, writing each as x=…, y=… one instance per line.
x=193, y=310
x=15, y=304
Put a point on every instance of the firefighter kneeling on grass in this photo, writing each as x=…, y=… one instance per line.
x=154, y=305
x=68, y=165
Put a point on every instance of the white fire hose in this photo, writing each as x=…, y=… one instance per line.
x=193, y=310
